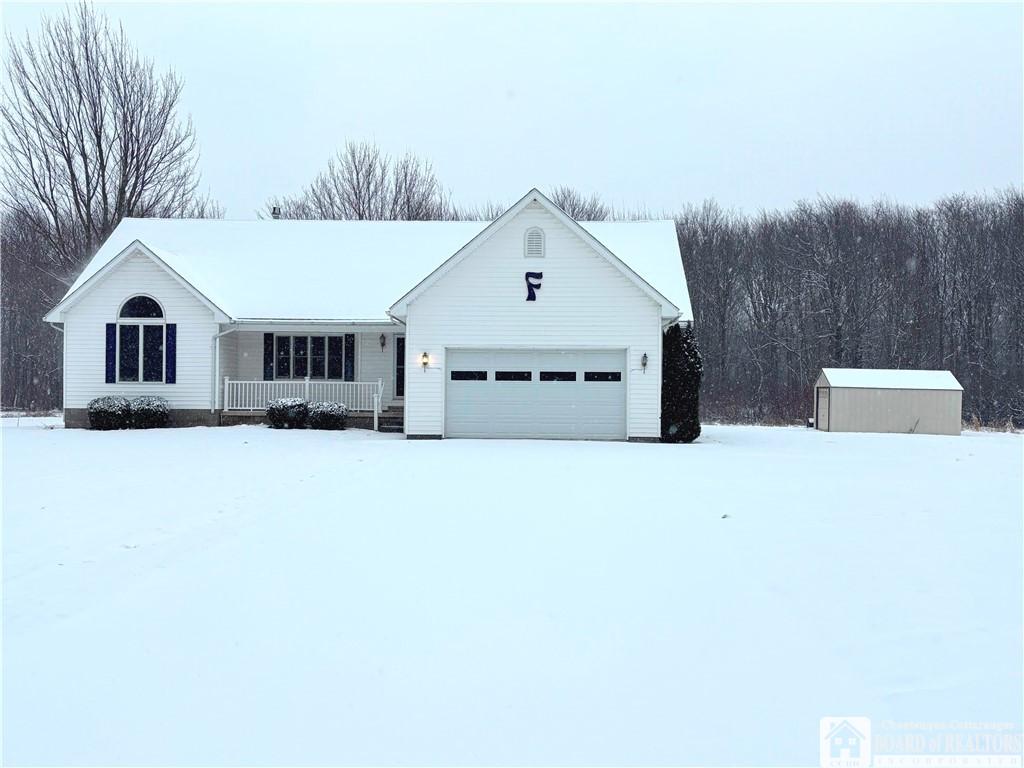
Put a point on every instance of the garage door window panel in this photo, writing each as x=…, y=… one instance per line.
x=469, y=375
x=513, y=376
x=558, y=375
x=602, y=376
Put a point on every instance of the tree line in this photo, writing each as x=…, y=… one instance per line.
x=835, y=283
x=92, y=134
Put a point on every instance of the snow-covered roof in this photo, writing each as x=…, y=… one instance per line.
x=885, y=378
x=346, y=270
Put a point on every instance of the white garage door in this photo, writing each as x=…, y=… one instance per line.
x=536, y=393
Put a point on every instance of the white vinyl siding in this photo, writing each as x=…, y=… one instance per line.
x=373, y=364
x=85, y=337
x=249, y=351
x=228, y=360
x=584, y=301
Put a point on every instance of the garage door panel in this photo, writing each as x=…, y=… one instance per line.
x=581, y=408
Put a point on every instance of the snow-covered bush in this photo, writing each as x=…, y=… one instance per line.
x=110, y=412
x=288, y=413
x=150, y=412
x=327, y=415
x=681, y=371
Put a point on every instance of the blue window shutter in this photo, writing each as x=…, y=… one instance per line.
x=111, y=353
x=268, y=357
x=171, y=371
x=350, y=357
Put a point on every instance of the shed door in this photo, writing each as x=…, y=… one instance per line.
x=536, y=393
x=821, y=412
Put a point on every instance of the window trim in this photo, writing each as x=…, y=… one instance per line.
x=526, y=243
x=139, y=322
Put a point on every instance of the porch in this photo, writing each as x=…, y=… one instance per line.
x=254, y=395
x=361, y=366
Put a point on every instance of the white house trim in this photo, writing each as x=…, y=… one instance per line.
x=137, y=247
x=400, y=308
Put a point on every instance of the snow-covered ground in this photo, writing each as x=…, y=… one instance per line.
x=246, y=596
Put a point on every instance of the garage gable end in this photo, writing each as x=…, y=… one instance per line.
x=539, y=230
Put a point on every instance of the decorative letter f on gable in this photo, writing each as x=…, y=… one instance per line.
x=531, y=287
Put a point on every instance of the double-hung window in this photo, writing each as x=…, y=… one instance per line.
x=141, y=341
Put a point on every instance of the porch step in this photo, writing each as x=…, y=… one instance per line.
x=385, y=422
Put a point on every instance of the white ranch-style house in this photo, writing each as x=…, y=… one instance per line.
x=532, y=325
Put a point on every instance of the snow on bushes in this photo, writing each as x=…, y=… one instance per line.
x=150, y=412
x=116, y=412
x=110, y=412
x=288, y=413
x=327, y=415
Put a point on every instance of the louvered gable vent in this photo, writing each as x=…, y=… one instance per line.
x=535, y=242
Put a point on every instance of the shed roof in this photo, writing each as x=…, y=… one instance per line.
x=889, y=378
x=347, y=270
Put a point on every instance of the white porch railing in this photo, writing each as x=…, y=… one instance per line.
x=254, y=395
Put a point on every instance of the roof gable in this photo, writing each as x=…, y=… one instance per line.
x=88, y=280
x=668, y=308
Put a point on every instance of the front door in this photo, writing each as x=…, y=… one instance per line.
x=400, y=366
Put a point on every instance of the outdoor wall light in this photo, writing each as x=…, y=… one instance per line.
x=643, y=362
x=425, y=359
x=383, y=341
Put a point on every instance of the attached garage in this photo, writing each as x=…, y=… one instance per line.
x=544, y=327
x=878, y=400
x=536, y=393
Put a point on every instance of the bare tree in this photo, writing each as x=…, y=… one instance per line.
x=835, y=282
x=30, y=363
x=91, y=134
x=489, y=211
x=578, y=206
x=361, y=182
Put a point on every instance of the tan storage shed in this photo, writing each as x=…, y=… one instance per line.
x=879, y=400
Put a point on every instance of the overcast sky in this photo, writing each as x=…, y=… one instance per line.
x=653, y=105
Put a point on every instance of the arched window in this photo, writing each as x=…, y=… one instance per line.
x=141, y=306
x=534, y=242
x=141, y=341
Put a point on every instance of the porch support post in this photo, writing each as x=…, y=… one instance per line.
x=216, y=368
